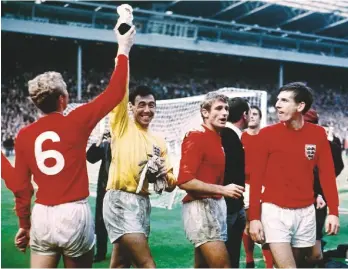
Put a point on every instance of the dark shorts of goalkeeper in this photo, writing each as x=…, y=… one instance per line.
x=126, y=213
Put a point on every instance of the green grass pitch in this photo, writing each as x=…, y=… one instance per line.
x=168, y=243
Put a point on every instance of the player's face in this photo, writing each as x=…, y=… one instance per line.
x=247, y=119
x=144, y=109
x=255, y=118
x=216, y=118
x=286, y=106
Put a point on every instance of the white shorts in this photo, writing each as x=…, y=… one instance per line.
x=66, y=229
x=287, y=225
x=125, y=213
x=205, y=220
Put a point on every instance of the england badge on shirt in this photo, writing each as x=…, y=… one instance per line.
x=310, y=151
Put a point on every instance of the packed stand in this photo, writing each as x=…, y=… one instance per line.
x=18, y=111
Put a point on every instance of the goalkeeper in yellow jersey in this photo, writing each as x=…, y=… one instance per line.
x=139, y=157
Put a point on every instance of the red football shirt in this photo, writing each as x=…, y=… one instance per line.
x=53, y=149
x=202, y=158
x=286, y=159
x=250, y=142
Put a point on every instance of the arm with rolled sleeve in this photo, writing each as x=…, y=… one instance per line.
x=191, y=158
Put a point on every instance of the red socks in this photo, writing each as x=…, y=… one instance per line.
x=267, y=256
x=249, y=248
x=249, y=251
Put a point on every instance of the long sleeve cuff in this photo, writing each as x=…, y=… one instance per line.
x=24, y=222
x=333, y=211
x=120, y=56
x=254, y=213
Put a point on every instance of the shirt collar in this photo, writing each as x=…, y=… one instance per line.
x=234, y=128
x=210, y=131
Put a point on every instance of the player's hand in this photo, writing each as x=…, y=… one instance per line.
x=126, y=41
x=22, y=239
x=247, y=228
x=233, y=191
x=320, y=202
x=256, y=231
x=332, y=225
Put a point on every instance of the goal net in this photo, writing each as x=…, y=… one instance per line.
x=173, y=119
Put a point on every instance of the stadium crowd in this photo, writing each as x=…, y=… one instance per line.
x=18, y=111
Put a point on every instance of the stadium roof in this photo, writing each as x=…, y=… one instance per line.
x=319, y=17
x=340, y=7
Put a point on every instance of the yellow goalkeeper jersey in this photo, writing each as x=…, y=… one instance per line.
x=130, y=146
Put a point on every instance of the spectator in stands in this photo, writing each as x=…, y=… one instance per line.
x=8, y=145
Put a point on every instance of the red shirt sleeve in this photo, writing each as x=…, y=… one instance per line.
x=327, y=176
x=257, y=172
x=22, y=188
x=90, y=114
x=7, y=172
x=191, y=156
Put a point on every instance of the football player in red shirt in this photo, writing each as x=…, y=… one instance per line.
x=201, y=175
x=53, y=150
x=249, y=140
x=287, y=154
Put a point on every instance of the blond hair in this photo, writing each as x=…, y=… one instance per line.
x=210, y=98
x=45, y=89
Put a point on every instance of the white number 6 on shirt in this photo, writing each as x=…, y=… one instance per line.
x=41, y=156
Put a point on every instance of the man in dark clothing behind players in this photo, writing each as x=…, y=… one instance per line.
x=101, y=151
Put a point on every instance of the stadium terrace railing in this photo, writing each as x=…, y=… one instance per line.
x=196, y=30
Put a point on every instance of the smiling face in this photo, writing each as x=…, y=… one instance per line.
x=216, y=117
x=144, y=109
x=286, y=106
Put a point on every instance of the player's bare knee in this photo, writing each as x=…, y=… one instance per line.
x=146, y=262
x=316, y=257
x=120, y=264
x=223, y=263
